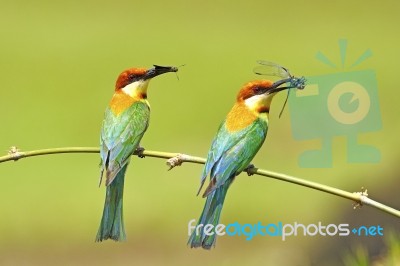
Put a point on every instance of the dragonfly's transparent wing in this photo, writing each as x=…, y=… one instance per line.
x=267, y=68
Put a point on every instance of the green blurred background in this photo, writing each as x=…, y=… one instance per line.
x=59, y=62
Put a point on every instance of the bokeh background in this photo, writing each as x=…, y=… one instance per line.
x=58, y=65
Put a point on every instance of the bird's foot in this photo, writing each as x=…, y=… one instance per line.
x=139, y=152
x=250, y=169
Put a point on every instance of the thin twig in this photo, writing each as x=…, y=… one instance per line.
x=176, y=159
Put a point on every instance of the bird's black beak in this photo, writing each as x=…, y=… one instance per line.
x=158, y=70
x=276, y=86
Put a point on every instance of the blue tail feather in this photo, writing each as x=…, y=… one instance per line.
x=210, y=215
x=112, y=223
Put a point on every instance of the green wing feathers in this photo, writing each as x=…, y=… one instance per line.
x=120, y=136
x=231, y=153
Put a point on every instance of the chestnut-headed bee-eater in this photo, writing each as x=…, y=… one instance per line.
x=238, y=139
x=125, y=122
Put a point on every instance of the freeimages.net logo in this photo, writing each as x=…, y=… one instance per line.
x=282, y=230
x=337, y=104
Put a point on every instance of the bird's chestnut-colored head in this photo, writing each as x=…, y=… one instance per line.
x=260, y=87
x=128, y=76
x=140, y=76
x=257, y=95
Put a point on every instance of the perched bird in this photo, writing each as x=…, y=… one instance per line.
x=238, y=139
x=125, y=121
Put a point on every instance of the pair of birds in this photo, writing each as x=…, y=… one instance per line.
x=238, y=139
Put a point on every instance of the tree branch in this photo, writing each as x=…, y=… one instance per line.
x=176, y=159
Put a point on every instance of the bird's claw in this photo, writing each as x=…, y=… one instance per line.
x=250, y=169
x=139, y=152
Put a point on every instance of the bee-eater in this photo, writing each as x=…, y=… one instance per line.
x=125, y=121
x=238, y=139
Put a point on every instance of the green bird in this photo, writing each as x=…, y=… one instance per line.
x=125, y=121
x=238, y=139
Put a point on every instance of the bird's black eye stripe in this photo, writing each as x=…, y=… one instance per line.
x=258, y=90
x=132, y=76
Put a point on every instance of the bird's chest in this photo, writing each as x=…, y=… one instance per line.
x=120, y=102
x=239, y=118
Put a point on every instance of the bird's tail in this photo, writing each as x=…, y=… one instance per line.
x=112, y=223
x=210, y=215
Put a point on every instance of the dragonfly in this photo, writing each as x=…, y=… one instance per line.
x=267, y=68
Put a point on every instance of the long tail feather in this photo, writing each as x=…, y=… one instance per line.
x=210, y=215
x=112, y=223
